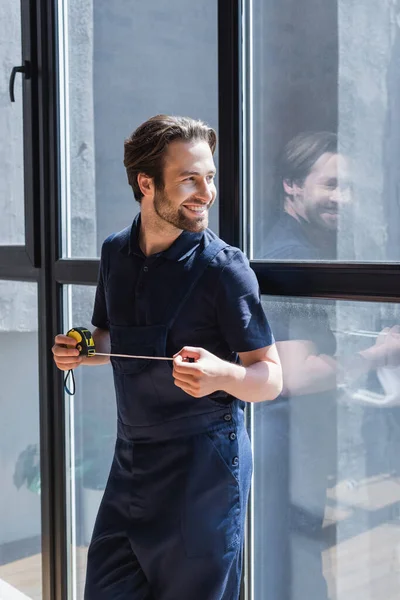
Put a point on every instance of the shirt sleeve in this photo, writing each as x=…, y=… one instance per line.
x=300, y=319
x=240, y=314
x=100, y=315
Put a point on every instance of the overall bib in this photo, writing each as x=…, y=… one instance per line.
x=171, y=522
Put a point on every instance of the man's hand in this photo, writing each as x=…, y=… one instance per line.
x=65, y=355
x=388, y=345
x=258, y=378
x=200, y=378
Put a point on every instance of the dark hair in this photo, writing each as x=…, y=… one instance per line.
x=145, y=149
x=302, y=152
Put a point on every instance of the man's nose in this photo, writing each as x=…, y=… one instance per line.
x=205, y=191
x=340, y=195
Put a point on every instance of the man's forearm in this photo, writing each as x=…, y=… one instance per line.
x=255, y=383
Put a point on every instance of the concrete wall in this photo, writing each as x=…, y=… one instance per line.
x=79, y=217
x=149, y=58
x=11, y=147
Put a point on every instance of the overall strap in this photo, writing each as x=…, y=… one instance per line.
x=189, y=282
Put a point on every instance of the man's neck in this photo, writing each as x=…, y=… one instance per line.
x=323, y=239
x=155, y=234
x=288, y=208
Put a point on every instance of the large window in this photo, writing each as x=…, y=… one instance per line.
x=305, y=98
x=323, y=97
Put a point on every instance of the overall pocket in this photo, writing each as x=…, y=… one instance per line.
x=137, y=399
x=138, y=341
x=211, y=516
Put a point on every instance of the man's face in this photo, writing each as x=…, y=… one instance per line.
x=189, y=188
x=324, y=193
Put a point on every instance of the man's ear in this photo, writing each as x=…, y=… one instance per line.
x=290, y=187
x=146, y=184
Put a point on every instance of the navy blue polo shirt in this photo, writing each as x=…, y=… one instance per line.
x=290, y=239
x=224, y=313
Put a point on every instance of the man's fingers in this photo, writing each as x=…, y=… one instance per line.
x=66, y=367
x=180, y=366
x=192, y=391
x=65, y=340
x=65, y=360
x=61, y=351
x=184, y=377
x=189, y=352
x=66, y=356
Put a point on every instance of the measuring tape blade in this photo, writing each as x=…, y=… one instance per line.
x=86, y=346
x=134, y=356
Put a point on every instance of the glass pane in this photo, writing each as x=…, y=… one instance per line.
x=322, y=100
x=91, y=418
x=326, y=453
x=20, y=527
x=12, y=230
x=111, y=80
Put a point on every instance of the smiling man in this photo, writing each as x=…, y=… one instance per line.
x=171, y=523
x=314, y=185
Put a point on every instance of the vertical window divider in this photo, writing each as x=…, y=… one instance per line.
x=52, y=417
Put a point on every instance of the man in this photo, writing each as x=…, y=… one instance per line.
x=296, y=453
x=314, y=183
x=171, y=523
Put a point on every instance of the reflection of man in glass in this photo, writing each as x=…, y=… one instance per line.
x=298, y=431
x=295, y=437
x=314, y=185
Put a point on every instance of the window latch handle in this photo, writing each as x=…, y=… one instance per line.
x=25, y=69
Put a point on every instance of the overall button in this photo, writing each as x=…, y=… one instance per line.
x=235, y=461
x=228, y=417
x=232, y=436
x=145, y=269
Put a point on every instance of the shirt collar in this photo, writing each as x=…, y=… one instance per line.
x=182, y=247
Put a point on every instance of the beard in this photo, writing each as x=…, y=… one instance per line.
x=177, y=216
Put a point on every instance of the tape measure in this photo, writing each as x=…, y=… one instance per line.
x=85, y=340
x=86, y=346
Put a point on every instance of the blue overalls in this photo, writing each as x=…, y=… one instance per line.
x=171, y=522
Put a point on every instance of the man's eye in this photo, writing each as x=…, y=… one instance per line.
x=210, y=178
